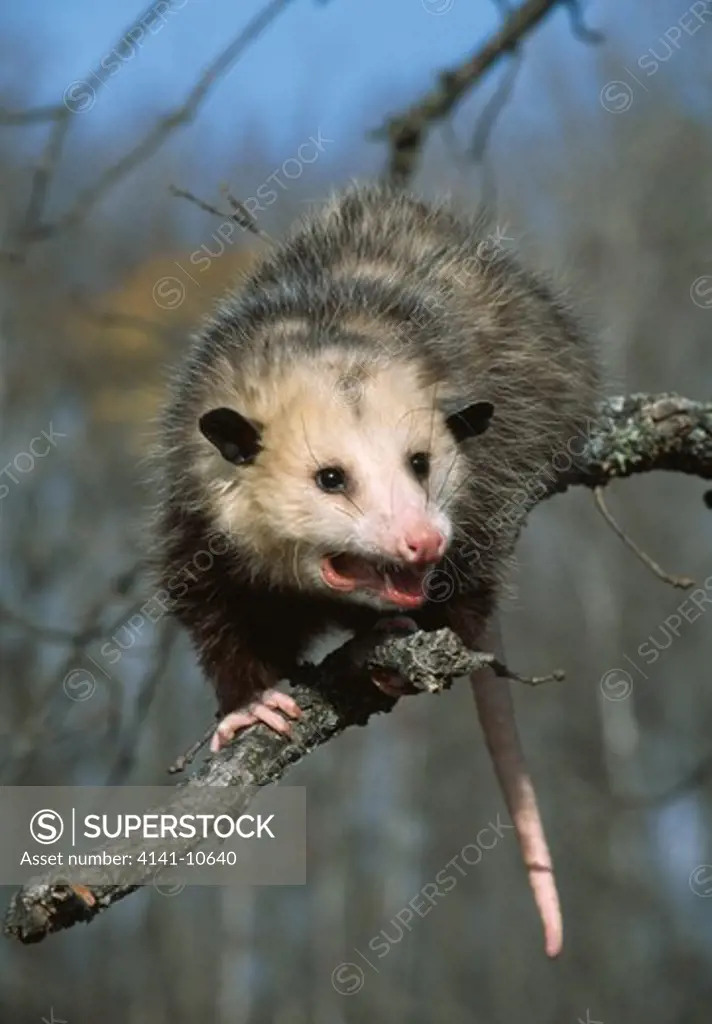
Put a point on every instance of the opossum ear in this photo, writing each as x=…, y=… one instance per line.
x=235, y=437
x=470, y=421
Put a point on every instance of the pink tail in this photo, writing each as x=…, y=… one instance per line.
x=496, y=712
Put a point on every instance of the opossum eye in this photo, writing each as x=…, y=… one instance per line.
x=470, y=421
x=420, y=464
x=331, y=479
x=235, y=437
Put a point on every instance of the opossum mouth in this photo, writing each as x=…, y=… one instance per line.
x=401, y=585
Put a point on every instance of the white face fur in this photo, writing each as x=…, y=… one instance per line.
x=348, y=459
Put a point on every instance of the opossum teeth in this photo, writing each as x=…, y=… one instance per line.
x=405, y=586
x=401, y=585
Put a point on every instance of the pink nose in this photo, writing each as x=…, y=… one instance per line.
x=421, y=545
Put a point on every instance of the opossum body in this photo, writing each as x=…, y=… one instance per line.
x=360, y=431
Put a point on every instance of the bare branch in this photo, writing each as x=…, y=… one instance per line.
x=494, y=107
x=19, y=118
x=44, y=172
x=642, y=433
x=579, y=27
x=44, y=715
x=486, y=124
x=165, y=126
x=181, y=193
x=682, y=582
x=407, y=132
x=183, y=760
x=240, y=214
x=61, y=115
x=333, y=696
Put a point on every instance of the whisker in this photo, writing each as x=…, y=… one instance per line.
x=430, y=439
x=457, y=572
x=412, y=412
x=460, y=486
x=306, y=441
x=346, y=512
x=447, y=477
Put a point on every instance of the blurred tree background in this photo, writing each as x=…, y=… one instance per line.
x=601, y=154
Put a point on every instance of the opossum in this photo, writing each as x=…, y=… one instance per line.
x=359, y=431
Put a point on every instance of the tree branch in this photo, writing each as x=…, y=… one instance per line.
x=643, y=433
x=637, y=434
x=332, y=696
x=34, y=229
x=407, y=132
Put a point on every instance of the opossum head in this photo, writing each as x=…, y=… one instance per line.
x=337, y=476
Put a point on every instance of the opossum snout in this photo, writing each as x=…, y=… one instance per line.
x=421, y=545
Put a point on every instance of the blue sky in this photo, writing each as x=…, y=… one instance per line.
x=337, y=63
x=335, y=67
x=330, y=63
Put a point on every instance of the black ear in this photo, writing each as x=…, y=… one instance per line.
x=470, y=421
x=235, y=437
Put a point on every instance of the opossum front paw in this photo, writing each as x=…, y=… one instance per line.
x=266, y=710
x=391, y=683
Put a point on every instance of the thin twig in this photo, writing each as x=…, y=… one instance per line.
x=240, y=215
x=407, y=131
x=62, y=115
x=36, y=115
x=44, y=172
x=45, y=713
x=682, y=582
x=494, y=107
x=181, y=193
x=485, y=126
x=183, y=760
x=579, y=27
x=166, y=125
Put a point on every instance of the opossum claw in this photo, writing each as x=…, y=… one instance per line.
x=265, y=710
